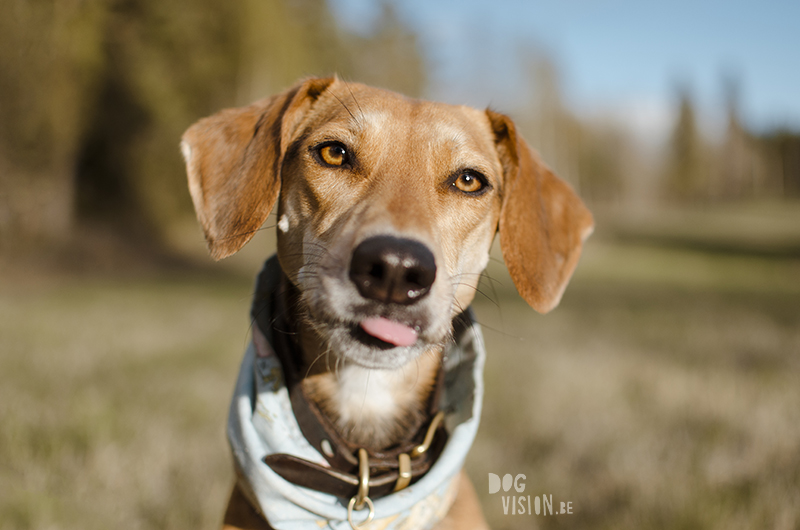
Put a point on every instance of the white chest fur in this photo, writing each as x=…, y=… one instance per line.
x=368, y=396
x=374, y=407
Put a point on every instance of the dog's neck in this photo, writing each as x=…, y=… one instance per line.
x=375, y=408
x=370, y=408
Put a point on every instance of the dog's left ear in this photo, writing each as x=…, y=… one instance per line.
x=233, y=161
x=543, y=223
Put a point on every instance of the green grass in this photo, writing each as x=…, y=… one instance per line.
x=664, y=392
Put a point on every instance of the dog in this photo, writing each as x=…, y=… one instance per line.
x=387, y=207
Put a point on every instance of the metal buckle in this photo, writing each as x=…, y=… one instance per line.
x=403, y=476
x=426, y=443
x=404, y=472
x=404, y=460
x=362, y=496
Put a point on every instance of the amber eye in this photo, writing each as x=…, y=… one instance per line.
x=471, y=183
x=333, y=154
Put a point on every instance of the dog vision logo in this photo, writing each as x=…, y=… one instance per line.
x=514, y=504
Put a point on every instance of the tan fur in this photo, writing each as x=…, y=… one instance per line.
x=371, y=423
x=545, y=211
x=241, y=161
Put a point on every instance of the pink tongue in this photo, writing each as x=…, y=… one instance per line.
x=388, y=331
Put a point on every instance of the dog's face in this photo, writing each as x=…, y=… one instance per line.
x=387, y=210
x=386, y=215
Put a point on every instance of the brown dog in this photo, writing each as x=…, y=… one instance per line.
x=387, y=208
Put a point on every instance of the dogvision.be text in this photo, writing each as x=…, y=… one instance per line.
x=523, y=504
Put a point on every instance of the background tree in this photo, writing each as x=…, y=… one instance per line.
x=50, y=57
x=780, y=150
x=686, y=178
x=737, y=170
x=94, y=96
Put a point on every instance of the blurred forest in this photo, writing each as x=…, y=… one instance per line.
x=610, y=166
x=94, y=95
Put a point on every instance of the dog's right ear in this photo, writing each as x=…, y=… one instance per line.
x=233, y=162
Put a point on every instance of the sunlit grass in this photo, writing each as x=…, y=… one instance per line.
x=114, y=396
x=662, y=393
x=665, y=397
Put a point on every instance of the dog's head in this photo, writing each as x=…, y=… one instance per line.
x=387, y=208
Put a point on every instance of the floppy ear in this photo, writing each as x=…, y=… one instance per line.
x=543, y=223
x=233, y=161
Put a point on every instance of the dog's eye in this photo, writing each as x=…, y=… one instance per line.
x=333, y=154
x=470, y=183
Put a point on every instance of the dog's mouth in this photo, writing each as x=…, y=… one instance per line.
x=383, y=334
x=389, y=332
x=377, y=342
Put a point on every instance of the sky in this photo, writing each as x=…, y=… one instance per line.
x=622, y=57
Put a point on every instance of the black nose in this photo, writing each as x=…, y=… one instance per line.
x=392, y=270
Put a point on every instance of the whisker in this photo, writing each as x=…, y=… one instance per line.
x=485, y=274
x=345, y=106
x=354, y=98
x=364, y=400
x=416, y=377
x=477, y=290
x=325, y=353
x=328, y=361
x=495, y=330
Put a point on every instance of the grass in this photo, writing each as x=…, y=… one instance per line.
x=662, y=393
x=113, y=398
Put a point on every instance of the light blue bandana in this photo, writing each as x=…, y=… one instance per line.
x=261, y=422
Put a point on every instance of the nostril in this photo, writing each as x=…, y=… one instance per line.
x=377, y=271
x=413, y=278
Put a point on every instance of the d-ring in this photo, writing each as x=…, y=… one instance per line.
x=363, y=478
x=366, y=521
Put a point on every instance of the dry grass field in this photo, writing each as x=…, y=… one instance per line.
x=672, y=403
x=664, y=393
